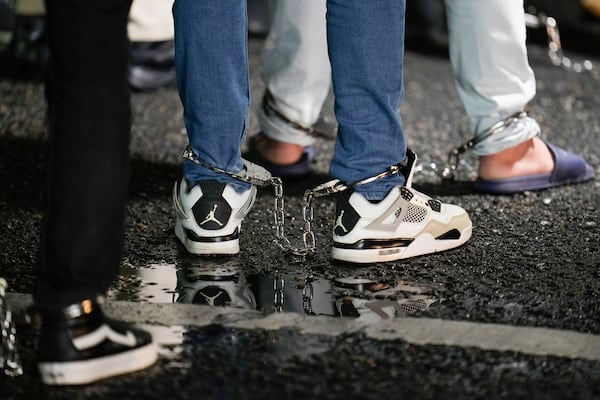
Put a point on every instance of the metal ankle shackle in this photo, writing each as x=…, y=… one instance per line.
x=454, y=155
x=270, y=110
x=257, y=175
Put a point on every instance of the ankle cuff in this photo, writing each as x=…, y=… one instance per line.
x=512, y=134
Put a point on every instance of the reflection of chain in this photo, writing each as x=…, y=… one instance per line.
x=555, y=51
x=307, y=295
x=278, y=295
x=9, y=356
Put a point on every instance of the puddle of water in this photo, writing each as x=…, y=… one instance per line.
x=226, y=284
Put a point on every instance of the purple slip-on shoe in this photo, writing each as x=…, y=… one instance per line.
x=568, y=168
x=301, y=168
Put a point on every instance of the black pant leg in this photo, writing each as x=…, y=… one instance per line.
x=89, y=127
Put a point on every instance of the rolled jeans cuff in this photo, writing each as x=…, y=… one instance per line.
x=277, y=129
x=512, y=135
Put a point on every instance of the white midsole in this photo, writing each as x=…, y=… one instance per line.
x=423, y=244
x=87, y=371
x=226, y=247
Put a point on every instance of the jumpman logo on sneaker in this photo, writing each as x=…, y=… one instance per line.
x=210, y=300
x=340, y=223
x=211, y=216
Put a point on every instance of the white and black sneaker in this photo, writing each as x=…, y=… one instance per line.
x=209, y=216
x=215, y=287
x=406, y=223
x=79, y=345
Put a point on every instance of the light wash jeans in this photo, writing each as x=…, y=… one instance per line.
x=366, y=52
x=487, y=50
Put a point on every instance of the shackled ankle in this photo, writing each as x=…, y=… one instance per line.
x=527, y=158
x=278, y=152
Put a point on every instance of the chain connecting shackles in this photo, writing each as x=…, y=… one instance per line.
x=258, y=176
x=555, y=53
x=268, y=107
x=449, y=173
x=555, y=50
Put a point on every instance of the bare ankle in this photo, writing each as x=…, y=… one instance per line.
x=277, y=152
x=527, y=158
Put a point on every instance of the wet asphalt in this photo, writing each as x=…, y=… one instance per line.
x=533, y=260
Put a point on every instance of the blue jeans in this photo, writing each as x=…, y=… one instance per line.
x=366, y=47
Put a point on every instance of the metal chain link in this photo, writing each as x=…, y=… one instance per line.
x=555, y=53
x=308, y=294
x=278, y=294
x=555, y=50
x=257, y=175
x=454, y=155
x=308, y=236
x=269, y=109
x=325, y=189
x=10, y=361
x=251, y=173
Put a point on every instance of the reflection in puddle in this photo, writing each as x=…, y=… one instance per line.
x=224, y=283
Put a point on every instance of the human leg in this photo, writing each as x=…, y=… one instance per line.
x=495, y=85
x=81, y=248
x=386, y=219
x=296, y=71
x=212, y=78
x=89, y=122
x=494, y=80
x=367, y=80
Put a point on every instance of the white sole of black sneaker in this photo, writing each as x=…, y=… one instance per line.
x=88, y=371
x=421, y=245
x=203, y=248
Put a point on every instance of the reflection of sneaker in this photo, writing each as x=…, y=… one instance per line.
x=209, y=216
x=79, y=345
x=404, y=224
x=219, y=287
x=370, y=301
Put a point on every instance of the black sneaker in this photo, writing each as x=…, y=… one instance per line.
x=80, y=345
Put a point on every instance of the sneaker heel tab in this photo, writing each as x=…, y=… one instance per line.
x=409, y=167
